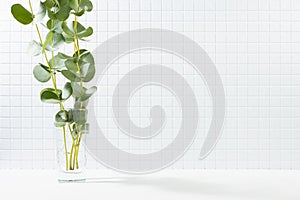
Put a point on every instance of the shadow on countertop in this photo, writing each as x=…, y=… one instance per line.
x=193, y=187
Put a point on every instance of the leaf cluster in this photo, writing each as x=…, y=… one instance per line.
x=79, y=68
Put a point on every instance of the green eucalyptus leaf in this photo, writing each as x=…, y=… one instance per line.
x=69, y=31
x=86, y=5
x=82, y=52
x=40, y=14
x=88, y=66
x=79, y=13
x=80, y=27
x=51, y=14
x=85, y=68
x=88, y=93
x=34, y=48
x=55, y=26
x=64, y=56
x=56, y=43
x=62, y=116
x=68, y=39
x=41, y=73
x=48, y=40
x=81, y=104
x=81, y=31
x=85, y=33
x=63, y=13
x=74, y=4
x=57, y=63
x=50, y=95
x=48, y=3
x=90, y=75
x=71, y=65
x=75, y=133
x=21, y=14
x=87, y=72
x=59, y=124
x=70, y=76
x=78, y=91
x=86, y=56
x=67, y=91
x=79, y=116
x=81, y=128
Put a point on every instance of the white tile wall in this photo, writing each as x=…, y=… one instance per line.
x=255, y=45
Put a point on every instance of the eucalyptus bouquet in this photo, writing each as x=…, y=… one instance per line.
x=60, y=19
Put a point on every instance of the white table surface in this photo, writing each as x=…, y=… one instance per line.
x=167, y=184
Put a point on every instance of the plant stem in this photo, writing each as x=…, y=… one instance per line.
x=75, y=154
x=77, y=49
x=77, y=150
x=72, y=154
x=65, y=146
x=53, y=77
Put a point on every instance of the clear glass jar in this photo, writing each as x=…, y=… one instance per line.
x=71, y=152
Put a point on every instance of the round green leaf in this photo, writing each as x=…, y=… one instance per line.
x=71, y=76
x=57, y=40
x=48, y=3
x=61, y=116
x=49, y=95
x=34, y=48
x=40, y=14
x=74, y=4
x=79, y=13
x=54, y=25
x=88, y=93
x=63, y=13
x=87, y=72
x=21, y=14
x=68, y=30
x=85, y=33
x=57, y=63
x=64, y=56
x=88, y=66
x=51, y=14
x=67, y=91
x=78, y=91
x=41, y=73
x=59, y=124
x=81, y=31
x=48, y=40
x=86, y=5
x=71, y=65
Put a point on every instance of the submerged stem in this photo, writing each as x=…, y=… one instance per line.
x=65, y=146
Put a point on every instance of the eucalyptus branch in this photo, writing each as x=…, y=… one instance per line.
x=76, y=69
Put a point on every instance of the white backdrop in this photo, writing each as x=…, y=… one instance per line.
x=255, y=45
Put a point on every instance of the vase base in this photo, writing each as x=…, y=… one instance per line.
x=71, y=181
x=76, y=176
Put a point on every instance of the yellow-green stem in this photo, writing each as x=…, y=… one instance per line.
x=71, y=155
x=65, y=146
x=53, y=77
x=77, y=150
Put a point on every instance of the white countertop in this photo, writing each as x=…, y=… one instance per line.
x=168, y=184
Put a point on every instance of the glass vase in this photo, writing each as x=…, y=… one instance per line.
x=71, y=152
